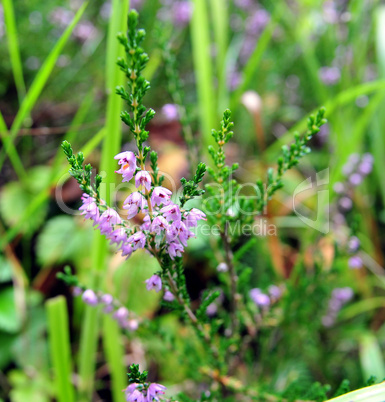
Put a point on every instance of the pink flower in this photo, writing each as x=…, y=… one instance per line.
x=127, y=160
x=143, y=178
x=138, y=240
x=159, y=224
x=108, y=218
x=146, y=223
x=161, y=195
x=154, y=283
x=117, y=236
x=126, y=249
x=175, y=250
x=171, y=212
x=182, y=231
x=89, y=297
x=135, y=396
x=259, y=298
x=168, y=296
x=89, y=208
x=153, y=390
x=133, y=203
x=193, y=216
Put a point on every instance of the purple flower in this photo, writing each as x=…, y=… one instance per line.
x=329, y=75
x=345, y=203
x=133, y=203
x=171, y=212
x=211, y=309
x=76, y=291
x=168, y=296
x=154, y=390
x=170, y=111
x=275, y=291
x=107, y=300
x=143, y=178
x=121, y=316
x=106, y=221
x=160, y=195
x=126, y=249
x=154, y=283
x=353, y=244
x=127, y=160
x=355, y=179
x=181, y=13
x=135, y=396
x=117, y=236
x=159, y=224
x=138, y=240
x=339, y=188
x=342, y=294
x=257, y=22
x=222, y=267
x=89, y=208
x=193, y=216
x=89, y=297
x=355, y=262
x=175, y=249
x=259, y=298
x=146, y=223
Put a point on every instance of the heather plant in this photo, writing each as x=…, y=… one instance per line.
x=179, y=279
x=229, y=315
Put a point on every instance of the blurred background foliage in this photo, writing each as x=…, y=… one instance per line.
x=272, y=63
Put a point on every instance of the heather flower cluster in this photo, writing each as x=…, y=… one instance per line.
x=339, y=297
x=165, y=226
x=144, y=392
x=355, y=171
x=110, y=306
x=263, y=300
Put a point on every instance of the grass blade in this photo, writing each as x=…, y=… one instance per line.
x=13, y=47
x=374, y=393
x=200, y=38
x=60, y=350
x=38, y=84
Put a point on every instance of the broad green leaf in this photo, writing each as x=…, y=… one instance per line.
x=374, y=393
x=371, y=357
x=61, y=240
x=9, y=318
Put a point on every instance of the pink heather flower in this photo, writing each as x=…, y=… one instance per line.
x=153, y=390
x=76, y=291
x=168, y=296
x=107, y=300
x=121, y=315
x=132, y=325
x=89, y=208
x=117, y=236
x=194, y=215
x=159, y=224
x=154, y=283
x=259, y=298
x=89, y=297
x=146, y=223
x=135, y=396
x=222, y=267
x=137, y=240
x=127, y=160
x=143, y=178
x=211, y=309
x=170, y=111
x=133, y=203
x=182, y=231
x=126, y=249
x=181, y=13
x=175, y=250
x=171, y=212
x=160, y=195
x=355, y=262
x=106, y=221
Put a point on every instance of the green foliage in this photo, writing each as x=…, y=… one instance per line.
x=190, y=187
x=135, y=376
x=137, y=84
x=10, y=320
